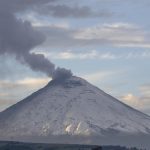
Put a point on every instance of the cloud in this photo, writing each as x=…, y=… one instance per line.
x=133, y=101
x=138, y=54
x=140, y=101
x=145, y=89
x=26, y=82
x=3, y=94
x=115, y=35
x=94, y=55
x=56, y=8
x=19, y=6
x=33, y=82
x=75, y=11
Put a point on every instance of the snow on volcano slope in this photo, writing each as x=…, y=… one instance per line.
x=72, y=107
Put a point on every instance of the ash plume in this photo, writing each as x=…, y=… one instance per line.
x=19, y=37
x=61, y=73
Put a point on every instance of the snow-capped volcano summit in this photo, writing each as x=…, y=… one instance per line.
x=71, y=107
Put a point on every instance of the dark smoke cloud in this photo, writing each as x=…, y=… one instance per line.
x=38, y=62
x=19, y=37
x=61, y=73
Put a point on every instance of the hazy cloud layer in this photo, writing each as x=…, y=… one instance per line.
x=66, y=11
x=19, y=6
x=116, y=35
x=96, y=54
x=54, y=8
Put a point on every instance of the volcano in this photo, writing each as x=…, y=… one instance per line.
x=71, y=107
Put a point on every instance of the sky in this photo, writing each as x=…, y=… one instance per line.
x=106, y=42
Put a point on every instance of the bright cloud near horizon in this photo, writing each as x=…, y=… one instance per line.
x=106, y=42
